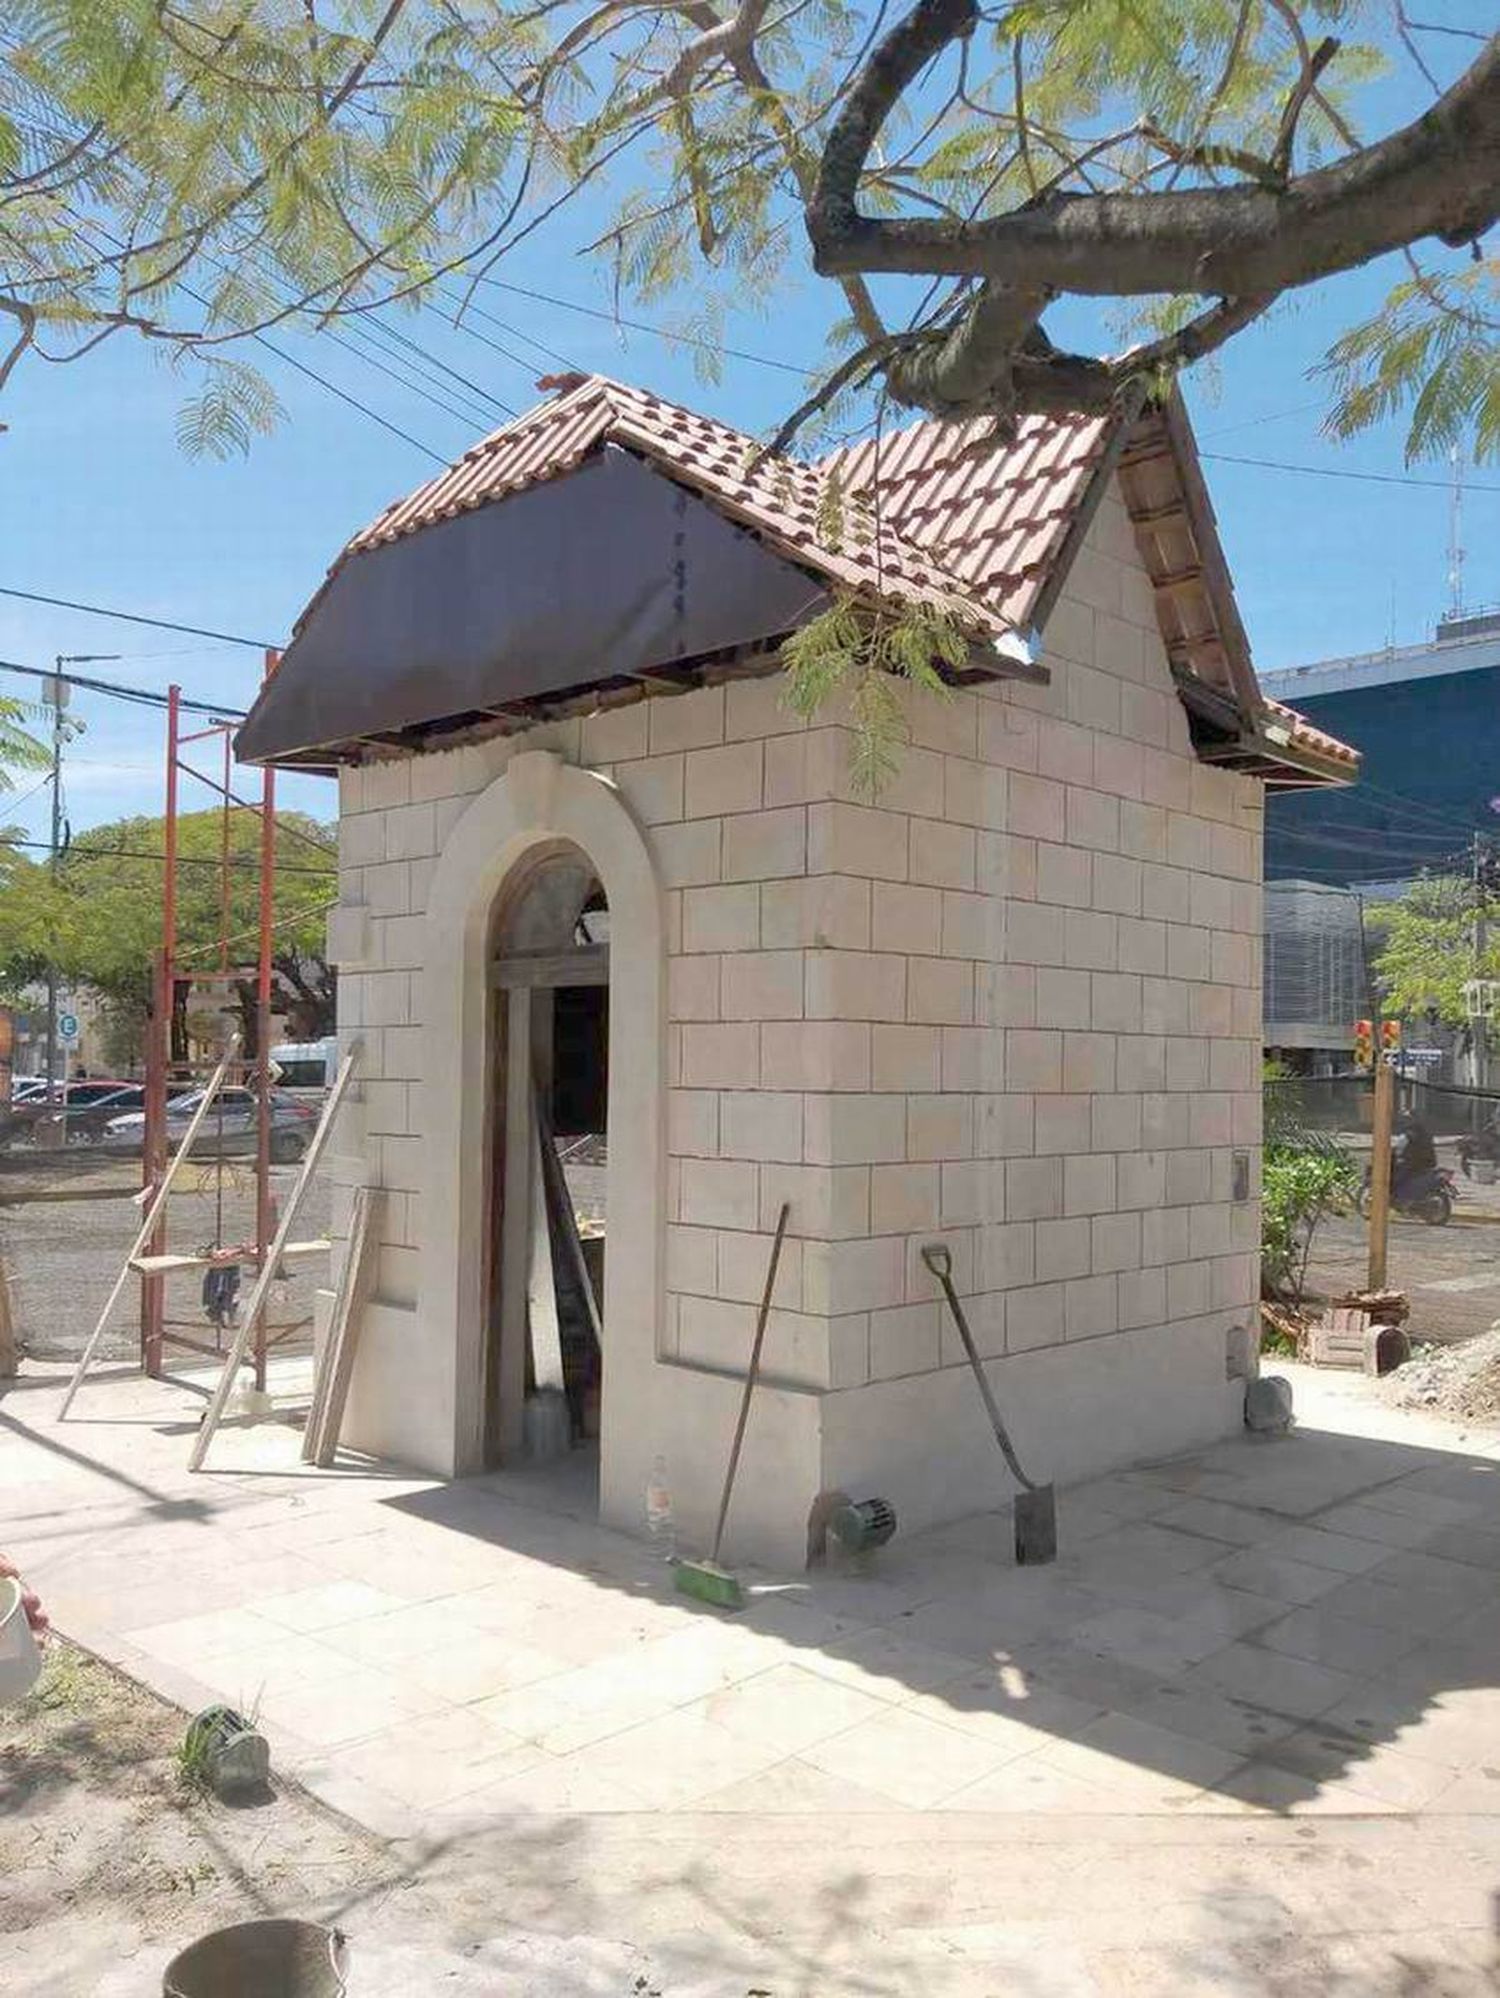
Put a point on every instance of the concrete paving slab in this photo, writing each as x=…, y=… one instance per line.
x=1262, y=1672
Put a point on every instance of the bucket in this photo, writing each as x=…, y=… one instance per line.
x=20, y=1656
x=260, y=1960
x=545, y=1429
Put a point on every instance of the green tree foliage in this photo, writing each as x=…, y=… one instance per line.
x=99, y=921
x=1423, y=947
x=198, y=172
x=1300, y=1186
x=19, y=750
x=860, y=653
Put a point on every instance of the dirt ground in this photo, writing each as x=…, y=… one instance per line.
x=106, y=1850
x=65, y=1230
x=113, y=1862
x=1451, y=1275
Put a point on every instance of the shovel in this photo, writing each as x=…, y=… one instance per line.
x=1034, y=1508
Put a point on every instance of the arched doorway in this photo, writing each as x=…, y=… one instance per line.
x=549, y=973
x=537, y=805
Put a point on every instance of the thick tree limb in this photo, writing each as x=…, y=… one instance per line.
x=971, y=364
x=1439, y=175
x=984, y=367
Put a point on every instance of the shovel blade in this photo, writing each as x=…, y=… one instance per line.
x=1035, y=1518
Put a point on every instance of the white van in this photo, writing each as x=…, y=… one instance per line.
x=306, y=1064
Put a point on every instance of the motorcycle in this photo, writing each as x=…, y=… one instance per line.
x=1428, y=1196
x=1481, y=1145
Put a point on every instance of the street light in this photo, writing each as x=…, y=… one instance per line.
x=64, y=728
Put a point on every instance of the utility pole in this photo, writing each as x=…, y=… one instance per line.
x=63, y=731
x=1381, y=1126
x=1478, y=1029
x=57, y=695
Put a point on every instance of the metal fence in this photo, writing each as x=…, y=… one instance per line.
x=1340, y=1104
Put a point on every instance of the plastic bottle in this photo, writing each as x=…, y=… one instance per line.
x=660, y=1524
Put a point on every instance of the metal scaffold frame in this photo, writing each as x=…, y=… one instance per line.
x=150, y=1257
x=172, y=980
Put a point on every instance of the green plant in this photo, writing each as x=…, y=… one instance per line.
x=63, y=1678
x=205, y=175
x=1300, y=1186
x=862, y=653
x=192, y=1758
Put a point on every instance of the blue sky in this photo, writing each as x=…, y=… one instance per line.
x=100, y=505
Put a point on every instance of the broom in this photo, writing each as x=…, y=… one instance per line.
x=706, y=1579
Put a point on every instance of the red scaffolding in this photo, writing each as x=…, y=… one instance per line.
x=166, y=1069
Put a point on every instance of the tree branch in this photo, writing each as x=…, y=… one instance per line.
x=1439, y=175
x=25, y=317
x=1306, y=85
x=857, y=369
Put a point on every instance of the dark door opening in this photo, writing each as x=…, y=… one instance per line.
x=550, y=978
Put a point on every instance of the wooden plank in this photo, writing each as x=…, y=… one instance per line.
x=168, y=1265
x=585, y=964
x=505, y=1385
x=312, y=1430
x=562, y=1204
x=143, y=1236
x=10, y=1362
x=541, y=1284
x=244, y=1331
x=320, y=1439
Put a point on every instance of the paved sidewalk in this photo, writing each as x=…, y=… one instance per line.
x=1264, y=1633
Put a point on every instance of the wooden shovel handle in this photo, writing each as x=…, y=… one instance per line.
x=752, y=1374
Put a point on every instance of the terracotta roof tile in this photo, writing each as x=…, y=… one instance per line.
x=997, y=513
x=935, y=513
x=782, y=499
x=1306, y=736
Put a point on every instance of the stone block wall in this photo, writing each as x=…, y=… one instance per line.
x=1015, y=1002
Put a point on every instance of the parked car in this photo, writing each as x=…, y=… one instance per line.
x=88, y=1120
x=90, y=1104
x=229, y=1129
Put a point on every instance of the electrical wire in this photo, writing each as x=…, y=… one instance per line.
x=262, y=340
x=10, y=804
x=1451, y=822
x=175, y=652
x=1341, y=472
x=136, y=617
x=467, y=310
x=657, y=332
x=1364, y=839
x=76, y=852
x=145, y=697
x=698, y=341
x=1400, y=859
x=1258, y=422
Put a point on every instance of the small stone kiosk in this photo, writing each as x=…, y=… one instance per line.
x=1014, y=1001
